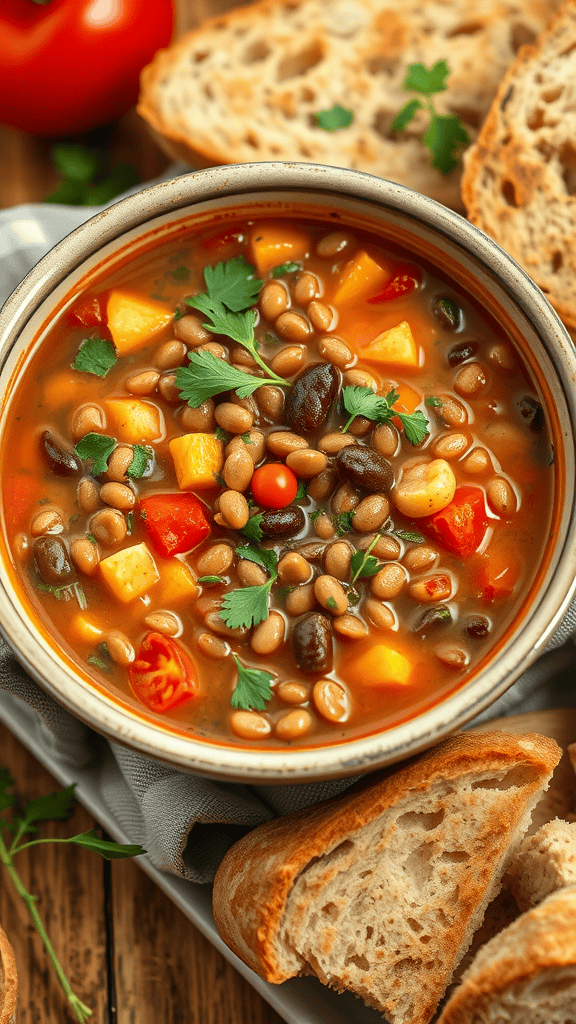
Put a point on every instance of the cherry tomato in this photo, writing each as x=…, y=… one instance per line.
x=70, y=65
x=274, y=485
x=175, y=522
x=163, y=675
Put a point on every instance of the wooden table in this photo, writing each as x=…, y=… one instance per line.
x=128, y=952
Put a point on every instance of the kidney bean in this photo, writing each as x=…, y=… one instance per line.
x=61, y=459
x=379, y=614
x=47, y=521
x=431, y=619
x=143, y=383
x=269, y=634
x=85, y=554
x=331, y=700
x=307, y=288
x=248, y=725
x=306, y=462
x=293, y=725
x=199, y=420
x=311, y=397
x=365, y=468
x=371, y=513
x=312, y=644
x=285, y=522
x=163, y=622
x=350, y=627
x=460, y=353
x=293, y=569
x=330, y=595
x=477, y=626
x=293, y=693
x=51, y=555
x=234, y=508
x=212, y=646
x=300, y=600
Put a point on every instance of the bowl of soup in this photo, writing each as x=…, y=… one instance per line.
x=287, y=466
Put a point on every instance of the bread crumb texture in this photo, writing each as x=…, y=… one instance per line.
x=246, y=86
x=544, y=863
x=519, y=183
x=380, y=891
x=526, y=974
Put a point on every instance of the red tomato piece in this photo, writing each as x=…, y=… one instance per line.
x=462, y=525
x=498, y=574
x=175, y=522
x=407, y=277
x=163, y=675
x=274, y=485
x=88, y=312
x=222, y=240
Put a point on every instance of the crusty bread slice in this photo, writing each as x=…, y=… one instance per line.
x=246, y=86
x=526, y=974
x=380, y=890
x=8, y=981
x=519, y=183
x=545, y=862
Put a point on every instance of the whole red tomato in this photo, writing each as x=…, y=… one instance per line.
x=67, y=66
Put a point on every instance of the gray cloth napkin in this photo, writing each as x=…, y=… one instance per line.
x=186, y=823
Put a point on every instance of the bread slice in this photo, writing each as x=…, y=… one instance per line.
x=380, y=890
x=519, y=183
x=544, y=863
x=526, y=974
x=246, y=86
x=8, y=981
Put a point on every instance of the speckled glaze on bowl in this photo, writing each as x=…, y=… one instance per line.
x=431, y=232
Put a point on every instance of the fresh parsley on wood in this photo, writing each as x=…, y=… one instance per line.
x=445, y=136
x=359, y=401
x=54, y=806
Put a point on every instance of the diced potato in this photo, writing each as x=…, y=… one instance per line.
x=425, y=488
x=396, y=347
x=85, y=627
x=176, y=585
x=133, y=320
x=197, y=458
x=273, y=244
x=359, y=278
x=130, y=572
x=66, y=386
x=133, y=420
x=379, y=665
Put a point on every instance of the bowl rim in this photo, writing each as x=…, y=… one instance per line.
x=355, y=756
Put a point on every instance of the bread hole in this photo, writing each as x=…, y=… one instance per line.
x=569, y=49
x=515, y=778
x=557, y=261
x=330, y=910
x=381, y=124
x=425, y=939
x=547, y=987
x=305, y=151
x=307, y=95
x=465, y=28
x=568, y=163
x=369, y=931
x=380, y=64
x=454, y=856
x=199, y=56
x=257, y=51
x=506, y=97
x=252, y=140
x=295, y=64
x=552, y=94
x=545, y=148
x=520, y=35
x=536, y=119
x=409, y=965
x=361, y=962
x=208, y=91
x=427, y=820
x=365, y=874
x=414, y=925
x=509, y=197
x=417, y=865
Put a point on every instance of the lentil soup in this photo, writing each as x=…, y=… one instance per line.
x=279, y=484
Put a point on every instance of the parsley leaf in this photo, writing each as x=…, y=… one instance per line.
x=262, y=556
x=405, y=115
x=250, y=605
x=284, y=268
x=207, y=376
x=180, y=273
x=359, y=401
x=253, y=528
x=343, y=521
x=97, y=447
x=409, y=535
x=364, y=564
x=433, y=402
x=95, y=355
x=233, y=284
x=334, y=119
x=445, y=136
x=140, y=460
x=209, y=579
x=419, y=78
x=252, y=689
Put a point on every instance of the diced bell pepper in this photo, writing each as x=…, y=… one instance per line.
x=174, y=522
x=406, y=278
x=461, y=526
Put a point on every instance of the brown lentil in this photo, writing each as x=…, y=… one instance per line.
x=388, y=583
x=248, y=725
x=212, y=646
x=117, y=495
x=170, y=354
x=269, y=634
x=293, y=326
x=371, y=513
x=330, y=595
x=234, y=508
x=200, y=420
x=331, y=700
x=293, y=569
x=350, y=627
x=288, y=361
x=86, y=420
x=321, y=316
x=163, y=622
x=306, y=462
x=108, y=526
x=233, y=418
x=190, y=329
x=47, y=521
x=274, y=300
x=282, y=442
x=501, y=497
x=431, y=588
x=293, y=725
x=293, y=693
x=144, y=383
x=335, y=350
x=306, y=289
x=216, y=560
x=84, y=555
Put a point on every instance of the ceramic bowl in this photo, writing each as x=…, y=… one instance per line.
x=431, y=232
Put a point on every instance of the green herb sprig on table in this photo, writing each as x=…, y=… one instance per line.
x=445, y=136
x=86, y=177
x=334, y=119
x=54, y=806
x=359, y=401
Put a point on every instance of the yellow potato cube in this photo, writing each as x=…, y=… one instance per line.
x=273, y=244
x=176, y=585
x=425, y=488
x=85, y=628
x=129, y=573
x=197, y=458
x=379, y=665
x=133, y=420
x=396, y=347
x=360, y=277
x=133, y=320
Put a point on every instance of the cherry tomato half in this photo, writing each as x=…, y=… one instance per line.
x=274, y=485
x=163, y=675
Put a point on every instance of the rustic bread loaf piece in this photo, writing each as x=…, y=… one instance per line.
x=526, y=974
x=246, y=86
x=545, y=862
x=380, y=890
x=8, y=981
x=519, y=183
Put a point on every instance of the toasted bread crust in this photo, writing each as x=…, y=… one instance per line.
x=8, y=981
x=255, y=879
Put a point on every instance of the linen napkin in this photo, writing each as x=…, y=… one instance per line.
x=185, y=822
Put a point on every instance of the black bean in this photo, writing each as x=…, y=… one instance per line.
x=365, y=467
x=312, y=644
x=477, y=626
x=440, y=615
x=448, y=314
x=532, y=412
x=61, y=459
x=52, y=560
x=460, y=353
x=311, y=396
x=285, y=522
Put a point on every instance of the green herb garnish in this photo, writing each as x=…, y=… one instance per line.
x=250, y=605
x=92, y=659
x=253, y=528
x=86, y=176
x=334, y=119
x=253, y=688
x=433, y=402
x=445, y=136
x=142, y=456
x=343, y=521
x=363, y=563
x=95, y=355
x=53, y=806
x=209, y=579
x=284, y=268
x=359, y=401
x=409, y=536
x=97, y=447
x=180, y=273
x=207, y=376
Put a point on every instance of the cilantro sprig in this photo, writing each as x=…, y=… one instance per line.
x=359, y=401
x=253, y=688
x=99, y=448
x=334, y=119
x=445, y=136
x=362, y=564
x=95, y=355
x=54, y=806
x=250, y=605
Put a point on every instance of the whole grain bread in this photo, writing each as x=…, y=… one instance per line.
x=545, y=862
x=519, y=183
x=526, y=974
x=8, y=981
x=380, y=890
x=246, y=85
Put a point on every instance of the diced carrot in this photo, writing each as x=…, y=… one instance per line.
x=176, y=585
x=86, y=628
x=133, y=320
x=360, y=276
x=396, y=347
x=273, y=244
x=379, y=665
x=66, y=386
x=498, y=573
x=133, y=420
x=197, y=459
x=130, y=572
